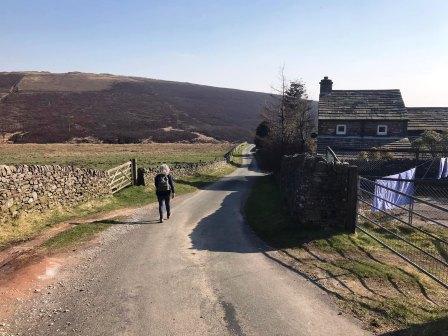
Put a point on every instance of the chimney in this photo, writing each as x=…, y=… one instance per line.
x=326, y=86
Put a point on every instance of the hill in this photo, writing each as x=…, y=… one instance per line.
x=45, y=107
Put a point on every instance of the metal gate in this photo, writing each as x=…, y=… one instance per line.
x=413, y=224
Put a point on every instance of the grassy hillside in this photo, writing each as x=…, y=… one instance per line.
x=45, y=107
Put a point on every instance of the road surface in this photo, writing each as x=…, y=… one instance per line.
x=201, y=273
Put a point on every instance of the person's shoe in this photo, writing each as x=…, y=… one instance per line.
x=168, y=216
x=161, y=220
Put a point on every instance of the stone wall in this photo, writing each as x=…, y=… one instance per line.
x=38, y=188
x=179, y=170
x=319, y=194
x=362, y=127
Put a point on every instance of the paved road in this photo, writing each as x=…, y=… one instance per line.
x=200, y=273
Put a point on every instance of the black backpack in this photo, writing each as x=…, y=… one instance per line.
x=163, y=183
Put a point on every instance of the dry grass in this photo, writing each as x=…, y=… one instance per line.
x=104, y=156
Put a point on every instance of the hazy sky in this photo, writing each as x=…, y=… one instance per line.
x=360, y=44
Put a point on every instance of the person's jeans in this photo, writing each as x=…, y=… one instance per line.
x=164, y=198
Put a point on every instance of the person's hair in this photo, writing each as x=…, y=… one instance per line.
x=164, y=169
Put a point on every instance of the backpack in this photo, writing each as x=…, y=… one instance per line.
x=163, y=183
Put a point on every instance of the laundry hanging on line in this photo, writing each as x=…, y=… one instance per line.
x=443, y=168
x=389, y=193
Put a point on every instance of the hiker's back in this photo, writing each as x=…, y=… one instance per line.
x=163, y=183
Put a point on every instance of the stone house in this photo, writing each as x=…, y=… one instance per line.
x=355, y=120
x=426, y=118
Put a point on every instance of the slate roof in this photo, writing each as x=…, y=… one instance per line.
x=362, y=105
x=427, y=118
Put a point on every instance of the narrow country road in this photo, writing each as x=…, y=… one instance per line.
x=201, y=273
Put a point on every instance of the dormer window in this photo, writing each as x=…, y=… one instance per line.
x=341, y=129
x=381, y=130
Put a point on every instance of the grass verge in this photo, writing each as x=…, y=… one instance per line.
x=75, y=235
x=236, y=155
x=369, y=282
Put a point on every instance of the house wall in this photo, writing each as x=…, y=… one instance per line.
x=363, y=127
x=328, y=127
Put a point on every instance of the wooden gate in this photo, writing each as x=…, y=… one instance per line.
x=121, y=176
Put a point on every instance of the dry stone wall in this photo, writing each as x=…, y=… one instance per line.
x=179, y=170
x=320, y=194
x=38, y=188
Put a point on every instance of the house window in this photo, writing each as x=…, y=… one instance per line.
x=381, y=130
x=341, y=129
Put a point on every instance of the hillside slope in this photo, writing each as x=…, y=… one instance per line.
x=44, y=107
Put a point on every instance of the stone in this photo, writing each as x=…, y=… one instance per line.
x=9, y=203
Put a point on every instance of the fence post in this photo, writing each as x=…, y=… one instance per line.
x=411, y=211
x=352, y=199
x=134, y=171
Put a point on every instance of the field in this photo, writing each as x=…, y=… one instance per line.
x=369, y=282
x=105, y=156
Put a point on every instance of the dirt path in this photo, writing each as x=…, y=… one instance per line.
x=200, y=273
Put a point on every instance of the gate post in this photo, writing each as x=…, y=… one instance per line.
x=134, y=172
x=352, y=199
x=140, y=176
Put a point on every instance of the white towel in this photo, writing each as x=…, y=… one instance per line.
x=443, y=168
x=386, y=199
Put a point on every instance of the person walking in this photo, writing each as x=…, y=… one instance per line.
x=164, y=190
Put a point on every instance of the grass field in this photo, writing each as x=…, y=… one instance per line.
x=368, y=281
x=104, y=156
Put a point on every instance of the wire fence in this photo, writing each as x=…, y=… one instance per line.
x=385, y=162
x=410, y=218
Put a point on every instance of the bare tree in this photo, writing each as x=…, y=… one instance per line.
x=288, y=120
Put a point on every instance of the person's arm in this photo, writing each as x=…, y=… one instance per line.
x=171, y=180
x=155, y=181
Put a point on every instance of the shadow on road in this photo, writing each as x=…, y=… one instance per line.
x=434, y=328
x=222, y=230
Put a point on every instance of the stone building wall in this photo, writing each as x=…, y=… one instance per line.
x=38, y=188
x=395, y=128
x=319, y=194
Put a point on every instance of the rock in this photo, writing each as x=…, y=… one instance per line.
x=9, y=203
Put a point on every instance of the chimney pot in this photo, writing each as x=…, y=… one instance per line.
x=326, y=86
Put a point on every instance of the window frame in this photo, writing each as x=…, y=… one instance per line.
x=378, y=130
x=341, y=132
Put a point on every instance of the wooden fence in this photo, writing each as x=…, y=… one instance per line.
x=122, y=176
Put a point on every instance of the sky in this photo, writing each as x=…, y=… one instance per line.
x=359, y=44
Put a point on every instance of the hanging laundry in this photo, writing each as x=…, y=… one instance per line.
x=443, y=168
x=387, y=199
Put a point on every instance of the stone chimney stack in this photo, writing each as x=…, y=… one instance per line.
x=326, y=86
